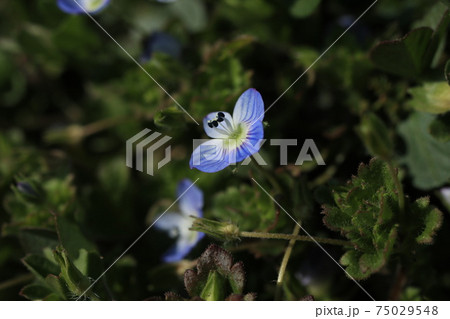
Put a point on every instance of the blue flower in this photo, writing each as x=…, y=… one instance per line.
x=160, y=42
x=177, y=224
x=234, y=137
x=82, y=6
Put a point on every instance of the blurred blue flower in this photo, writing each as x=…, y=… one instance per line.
x=80, y=6
x=234, y=137
x=177, y=224
x=160, y=42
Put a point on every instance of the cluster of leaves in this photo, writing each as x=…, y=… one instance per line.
x=367, y=212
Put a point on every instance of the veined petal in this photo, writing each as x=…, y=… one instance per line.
x=222, y=130
x=252, y=143
x=210, y=156
x=191, y=203
x=249, y=107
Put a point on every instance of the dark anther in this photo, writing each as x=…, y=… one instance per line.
x=215, y=123
x=220, y=115
x=220, y=119
x=210, y=125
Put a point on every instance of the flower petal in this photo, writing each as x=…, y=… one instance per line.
x=210, y=157
x=181, y=248
x=252, y=143
x=221, y=131
x=249, y=107
x=191, y=203
x=170, y=221
x=91, y=6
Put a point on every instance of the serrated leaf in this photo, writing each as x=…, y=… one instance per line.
x=365, y=212
x=440, y=128
x=426, y=157
x=430, y=217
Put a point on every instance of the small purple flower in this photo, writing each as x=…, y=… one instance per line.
x=82, y=6
x=234, y=137
x=177, y=224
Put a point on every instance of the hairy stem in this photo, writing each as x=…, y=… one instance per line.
x=321, y=240
x=284, y=262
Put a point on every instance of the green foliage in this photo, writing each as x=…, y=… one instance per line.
x=365, y=211
x=405, y=56
x=429, y=216
x=431, y=97
x=35, y=210
x=375, y=136
x=410, y=55
x=245, y=206
x=426, y=157
x=304, y=8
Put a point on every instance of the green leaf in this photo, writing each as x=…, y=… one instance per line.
x=244, y=206
x=72, y=239
x=365, y=211
x=432, y=97
x=37, y=292
x=375, y=136
x=405, y=56
x=215, y=276
x=447, y=2
x=440, y=128
x=304, y=8
x=426, y=157
x=40, y=266
x=35, y=240
x=416, y=51
x=214, y=289
x=76, y=281
x=430, y=217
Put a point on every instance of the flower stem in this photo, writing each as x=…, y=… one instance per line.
x=284, y=262
x=321, y=240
